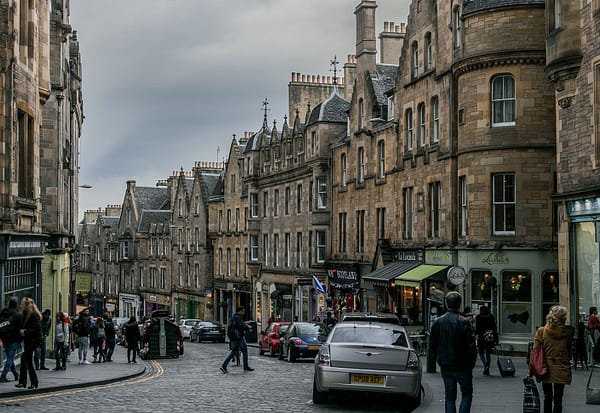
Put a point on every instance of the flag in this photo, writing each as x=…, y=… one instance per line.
x=319, y=286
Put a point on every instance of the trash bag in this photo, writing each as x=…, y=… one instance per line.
x=531, y=396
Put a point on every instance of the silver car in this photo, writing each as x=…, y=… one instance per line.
x=368, y=356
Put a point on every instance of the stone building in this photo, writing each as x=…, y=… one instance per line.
x=451, y=188
x=192, y=253
x=25, y=87
x=59, y=164
x=573, y=66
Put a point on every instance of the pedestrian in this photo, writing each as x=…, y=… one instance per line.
x=39, y=357
x=31, y=331
x=100, y=341
x=555, y=338
x=94, y=337
x=11, y=320
x=487, y=336
x=453, y=345
x=329, y=320
x=62, y=334
x=81, y=328
x=236, y=331
x=580, y=345
x=111, y=338
x=132, y=337
x=594, y=325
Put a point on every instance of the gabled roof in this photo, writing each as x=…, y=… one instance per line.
x=472, y=6
x=150, y=217
x=211, y=181
x=112, y=222
x=333, y=109
x=152, y=197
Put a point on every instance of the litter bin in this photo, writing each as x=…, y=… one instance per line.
x=252, y=334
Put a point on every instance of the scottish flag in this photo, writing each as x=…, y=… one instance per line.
x=319, y=286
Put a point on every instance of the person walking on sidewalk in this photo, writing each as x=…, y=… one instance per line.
x=132, y=337
x=82, y=329
x=100, y=341
x=11, y=337
x=62, y=334
x=236, y=332
x=111, y=338
x=555, y=338
x=487, y=336
x=453, y=345
x=31, y=331
x=39, y=357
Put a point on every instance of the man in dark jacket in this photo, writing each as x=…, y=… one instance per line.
x=236, y=332
x=81, y=327
x=454, y=347
x=39, y=357
x=11, y=338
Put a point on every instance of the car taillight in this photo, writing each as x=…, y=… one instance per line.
x=297, y=341
x=205, y=329
x=324, y=356
x=413, y=361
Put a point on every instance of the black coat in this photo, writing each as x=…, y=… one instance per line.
x=32, y=325
x=452, y=342
x=485, y=322
x=16, y=319
x=132, y=334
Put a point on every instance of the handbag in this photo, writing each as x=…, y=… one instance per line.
x=592, y=395
x=488, y=336
x=531, y=396
x=537, y=362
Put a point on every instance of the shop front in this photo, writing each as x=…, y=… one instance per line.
x=519, y=286
x=584, y=254
x=20, y=266
x=153, y=302
x=273, y=300
x=309, y=302
x=343, y=287
x=187, y=305
x=130, y=305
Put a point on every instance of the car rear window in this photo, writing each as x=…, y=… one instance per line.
x=311, y=329
x=283, y=328
x=369, y=335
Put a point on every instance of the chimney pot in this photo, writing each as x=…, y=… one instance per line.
x=386, y=26
x=303, y=78
x=402, y=27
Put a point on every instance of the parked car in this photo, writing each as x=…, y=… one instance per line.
x=208, y=331
x=368, y=356
x=186, y=324
x=302, y=340
x=269, y=339
x=379, y=317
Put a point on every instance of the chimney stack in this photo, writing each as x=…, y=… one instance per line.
x=366, y=42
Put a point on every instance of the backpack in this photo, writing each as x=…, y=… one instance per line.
x=77, y=326
x=6, y=326
x=60, y=333
x=233, y=333
x=109, y=328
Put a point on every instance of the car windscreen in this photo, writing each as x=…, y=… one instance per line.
x=311, y=330
x=369, y=335
x=283, y=328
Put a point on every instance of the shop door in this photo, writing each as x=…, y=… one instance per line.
x=515, y=302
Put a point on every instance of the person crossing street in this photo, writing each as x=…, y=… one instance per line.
x=236, y=333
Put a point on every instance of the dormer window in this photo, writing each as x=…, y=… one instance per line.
x=390, y=108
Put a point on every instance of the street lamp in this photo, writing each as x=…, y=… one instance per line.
x=85, y=186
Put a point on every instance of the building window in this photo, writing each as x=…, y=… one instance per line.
x=299, y=198
x=322, y=192
x=254, y=205
x=196, y=275
x=407, y=222
x=276, y=203
x=237, y=220
x=381, y=156
x=245, y=218
x=457, y=28
x=286, y=251
x=197, y=238
x=220, y=263
x=504, y=204
x=265, y=248
x=237, y=262
x=275, y=250
x=245, y=262
x=342, y=218
x=435, y=196
x=462, y=183
x=310, y=247
x=381, y=217
x=596, y=109
x=360, y=231
x=220, y=221
x=415, y=60
x=162, y=278
x=321, y=239
x=310, y=195
x=180, y=273
x=391, y=113
x=515, y=290
x=265, y=203
x=125, y=251
x=25, y=158
x=361, y=165
x=253, y=247
x=180, y=207
x=287, y=200
x=180, y=239
x=361, y=114
x=313, y=143
x=409, y=129
x=503, y=100
x=428, y=52
x=343, y=170
x=196, y=205
x=298, y=249
x=557, y=14
x=188, y=239
x=229, y=262
x=421, y=124
x=435, y=117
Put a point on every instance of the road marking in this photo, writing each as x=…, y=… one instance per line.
x=158, y=371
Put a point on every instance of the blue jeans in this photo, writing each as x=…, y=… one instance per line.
x=11, y=351
x=235, y=347
x=464, y=378
x=110, y=347
x=485, y=354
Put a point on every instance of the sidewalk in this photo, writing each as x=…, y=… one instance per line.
x=495, y=394
x=77, y=375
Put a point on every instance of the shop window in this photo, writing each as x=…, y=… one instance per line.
x=516, y=302
x=549, y=291
x=481, y=287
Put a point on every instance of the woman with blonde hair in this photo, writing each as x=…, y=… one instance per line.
x=31, y=331
x=555, y=338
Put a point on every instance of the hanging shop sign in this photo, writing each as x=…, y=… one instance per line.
x=457, y=275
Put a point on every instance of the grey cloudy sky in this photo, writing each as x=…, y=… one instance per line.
x=166, y=83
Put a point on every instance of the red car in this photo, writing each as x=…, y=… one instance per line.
x=269, y=339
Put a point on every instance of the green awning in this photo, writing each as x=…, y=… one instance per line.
x=400, y=283
x=420, y=273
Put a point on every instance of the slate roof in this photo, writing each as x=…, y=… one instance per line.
x=383, y=81
x=150, y=217
x=472, y=6
x=152, y=198
x=112, y=222
x=211, y=181
x=189, y=185
x=263, y=136
x=333, y=109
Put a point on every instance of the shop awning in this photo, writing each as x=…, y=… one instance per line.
x=401, y=283
x=419, y=273
x=382, y=277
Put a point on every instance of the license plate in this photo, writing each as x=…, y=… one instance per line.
x=314, y=347
x=366, y=379
x=214, y=331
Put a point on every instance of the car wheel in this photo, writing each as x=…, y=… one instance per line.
x=413, y=402
x=290, y=356
x=319, y=397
